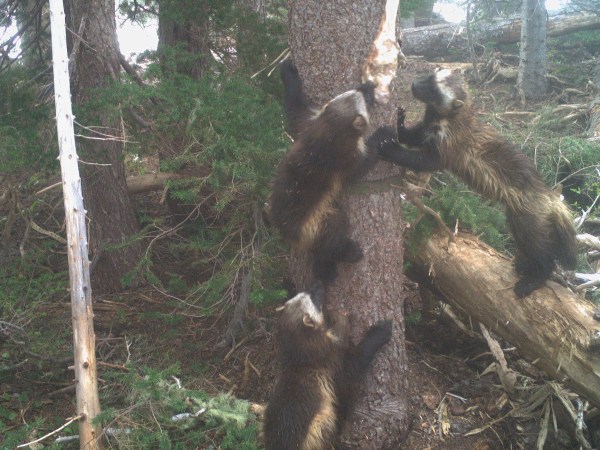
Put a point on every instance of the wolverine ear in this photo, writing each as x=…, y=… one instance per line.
x=306, y=320
x=360, y=123
x=457, y=104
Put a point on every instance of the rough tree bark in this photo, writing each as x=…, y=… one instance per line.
x=594, y=128
x=188, y=30
x=84, y=340
x=112, y=220
x=33, y=17
x=552, y=326
x=438, y=40
x=329, y=43
x=531, y=80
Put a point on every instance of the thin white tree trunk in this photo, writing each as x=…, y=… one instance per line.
x=88, y=405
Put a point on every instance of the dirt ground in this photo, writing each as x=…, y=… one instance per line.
x=447, y=396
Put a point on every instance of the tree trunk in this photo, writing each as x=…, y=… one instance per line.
x=112, y=220
x=441, y=40
x=182, y=29
x=84, y=341
x=552, y=326
x=183, y=48
x=329, y=43
x=594, y=128
x=34, y=18
x=531, y=81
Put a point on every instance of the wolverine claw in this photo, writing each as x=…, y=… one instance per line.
x=352, y=253
x=400, y=117
x=526, y=286
x=382, y=331
x=388, y=149
x=384, y=142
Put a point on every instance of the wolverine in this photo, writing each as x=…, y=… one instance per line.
x=321, y=372
x=329, y=152
x=450, y=137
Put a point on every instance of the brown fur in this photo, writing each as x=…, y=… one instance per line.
x=328, y=152
x=320, y=374
x=450, y=137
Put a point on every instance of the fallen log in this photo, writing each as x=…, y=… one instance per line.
x=442, y=39
x=551, y=327
x=150, y=182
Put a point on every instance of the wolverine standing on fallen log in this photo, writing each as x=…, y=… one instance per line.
x=450, y=137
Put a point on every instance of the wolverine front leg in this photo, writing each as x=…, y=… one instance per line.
x=388, y=149
x=339, y=326
x=414, y=135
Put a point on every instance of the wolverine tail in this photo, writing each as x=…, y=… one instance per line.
x=565, y=242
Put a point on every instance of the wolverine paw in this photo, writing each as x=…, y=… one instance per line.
x=352, y=253
x=385, y=142
x=382, y=329
x=325, y=271
x=527, y=285
x=317, y=293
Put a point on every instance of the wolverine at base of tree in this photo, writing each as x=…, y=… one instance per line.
x=450, y=137
x=321, y=372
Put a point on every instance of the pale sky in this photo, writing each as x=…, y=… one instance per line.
x=134, y=38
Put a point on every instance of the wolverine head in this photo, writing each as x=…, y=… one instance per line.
x=304, y=330
x=349, y=111
x=443, y=90
x=304, y=310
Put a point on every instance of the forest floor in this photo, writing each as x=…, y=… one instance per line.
x=448, y=396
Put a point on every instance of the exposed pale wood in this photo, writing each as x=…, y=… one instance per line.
x=382, y=62
x=551, y=327
x=441, y=39
x=84, y=341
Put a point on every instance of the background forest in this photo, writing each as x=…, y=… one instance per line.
x=177, y=150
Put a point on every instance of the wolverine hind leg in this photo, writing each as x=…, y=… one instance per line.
x=333, y=246
x=534, y=261
x=534, y=277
